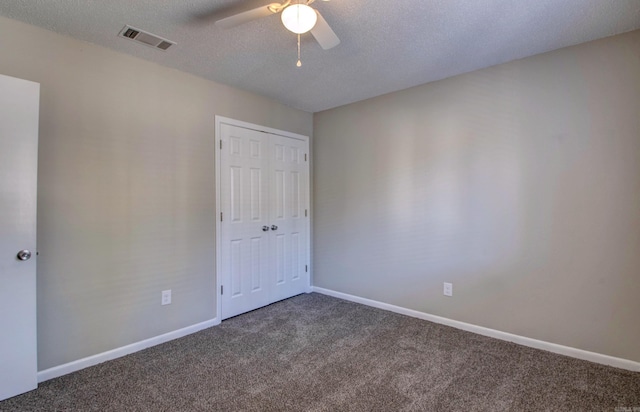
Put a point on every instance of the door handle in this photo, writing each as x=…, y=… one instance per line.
x=265, y=228
x=274, y=227
x=24, y=255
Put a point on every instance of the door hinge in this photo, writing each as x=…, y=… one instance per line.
x=221, y=216
x=220, y=144
x=306, y=268
x=305, y=157
x=305, y=213
x=222, y=289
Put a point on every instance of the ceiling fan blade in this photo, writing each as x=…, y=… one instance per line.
x=324, y=34
x=244, y=16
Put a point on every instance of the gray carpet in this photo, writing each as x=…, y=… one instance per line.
x=317, y=353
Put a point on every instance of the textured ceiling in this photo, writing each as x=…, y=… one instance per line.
x=386, y=45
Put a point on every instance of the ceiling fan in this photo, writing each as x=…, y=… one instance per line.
x=297, y=16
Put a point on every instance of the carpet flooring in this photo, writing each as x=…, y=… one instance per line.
x=317, y=353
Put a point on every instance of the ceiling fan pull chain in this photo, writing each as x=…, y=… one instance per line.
x=299, y=62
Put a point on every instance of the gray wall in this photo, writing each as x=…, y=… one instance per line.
x=126, y=190
x=520, y=184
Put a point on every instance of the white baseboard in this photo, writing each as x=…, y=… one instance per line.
x=522, y=340
x=74, y=366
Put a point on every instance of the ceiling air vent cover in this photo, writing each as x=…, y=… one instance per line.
x=145, y=38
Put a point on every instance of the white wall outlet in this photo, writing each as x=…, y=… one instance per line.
x=448, y=289
x=166, y=297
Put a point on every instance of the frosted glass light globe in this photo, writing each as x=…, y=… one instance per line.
x=299, y=18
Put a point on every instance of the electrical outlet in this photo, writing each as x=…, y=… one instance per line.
x=448, y=289
x=166, y=297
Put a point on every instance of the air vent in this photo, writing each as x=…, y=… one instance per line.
x=130, y=33
x=145, y=38
x=164, y=45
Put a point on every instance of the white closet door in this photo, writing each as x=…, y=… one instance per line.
x=264, y=235
x=245, y=201
x=289, y=238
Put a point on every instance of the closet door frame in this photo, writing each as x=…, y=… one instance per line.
x=219, y=121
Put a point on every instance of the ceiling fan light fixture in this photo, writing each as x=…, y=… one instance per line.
x=299, y=18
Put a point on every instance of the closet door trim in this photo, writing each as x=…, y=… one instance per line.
x=219, y=121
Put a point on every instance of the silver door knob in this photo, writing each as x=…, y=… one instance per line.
x=24, y=255
x=274, y=227
x=265, y=228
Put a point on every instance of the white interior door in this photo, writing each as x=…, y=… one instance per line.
x=244, y=220
x=289, y=245
x=19, y=101
x=263, y=198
